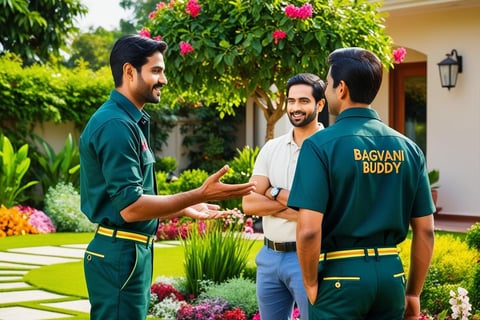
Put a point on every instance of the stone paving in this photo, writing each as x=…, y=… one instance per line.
x=15, y=263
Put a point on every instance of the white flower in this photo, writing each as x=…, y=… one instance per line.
x=460, y=304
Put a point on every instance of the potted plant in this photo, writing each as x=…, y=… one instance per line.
x=434, y=177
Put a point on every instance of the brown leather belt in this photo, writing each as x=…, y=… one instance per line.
x=281, y=246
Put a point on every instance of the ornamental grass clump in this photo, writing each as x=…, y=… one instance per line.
x=218, y=254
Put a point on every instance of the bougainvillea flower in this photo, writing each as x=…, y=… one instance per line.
x=291, y=11
x=193, y=8
x=399, y=55
x=277, y=35
x=185, y=48
x=303, y=12
x=145, y=33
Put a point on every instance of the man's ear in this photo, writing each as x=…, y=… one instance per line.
x=320, y=105
x=128, y=71
x=342, y=90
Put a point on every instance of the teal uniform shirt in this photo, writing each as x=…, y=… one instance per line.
x=116, y=163
x=366, y=178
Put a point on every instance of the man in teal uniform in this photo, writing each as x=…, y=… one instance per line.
x=358, y=187
x=118, y=189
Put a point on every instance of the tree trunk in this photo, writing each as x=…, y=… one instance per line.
x=273, y=109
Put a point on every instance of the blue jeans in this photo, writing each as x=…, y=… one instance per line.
x=279, y=285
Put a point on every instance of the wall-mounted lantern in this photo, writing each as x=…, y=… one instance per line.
x=449, y=69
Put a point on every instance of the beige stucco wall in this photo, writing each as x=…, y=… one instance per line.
x=453, y=117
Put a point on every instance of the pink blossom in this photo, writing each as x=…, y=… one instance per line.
x=158, y=38
x=303, y=12
x=185, y=48
x=151, y=15
x=277, y=35
x=145, y=33
x=161, y=5
x=291, y=11
x=296, y=313
x=399, y=55
x=193, y=8
x=256, y=316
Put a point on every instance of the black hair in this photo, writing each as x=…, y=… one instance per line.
x=133, y=49
x=317, y=84
x=360, y=69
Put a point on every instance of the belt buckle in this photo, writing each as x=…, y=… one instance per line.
x=275, y=246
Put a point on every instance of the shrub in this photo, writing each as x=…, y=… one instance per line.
x=63, y=166
x=239, y=292
x=472, y=237
x=62, y=205
x=13, y=167
x=453, y=265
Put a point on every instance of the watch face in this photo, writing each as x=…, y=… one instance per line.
x=274, y=192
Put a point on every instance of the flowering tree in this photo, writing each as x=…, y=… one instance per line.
x=237, y=51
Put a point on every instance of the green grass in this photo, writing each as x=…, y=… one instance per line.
x=68, y=278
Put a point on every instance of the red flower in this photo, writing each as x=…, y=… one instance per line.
x=235, y=314
x=399, y=55
x=193, y=8
x=163, y=291
x=185, y=48
x=277, y=35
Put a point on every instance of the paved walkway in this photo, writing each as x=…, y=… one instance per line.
x=15, y=263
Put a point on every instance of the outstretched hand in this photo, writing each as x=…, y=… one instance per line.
x=214, y=189
x=203, y=211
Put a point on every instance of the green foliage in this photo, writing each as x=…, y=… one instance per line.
x=236, y=57
x=433, y=178
x=453, y=265
x=191, y=179
x=211, y=140
x=13, y=167
x=239, y=292
x=61, y=167
x=62, y=205
x=473, y=237
x=35, y=94
x=37, y=29
x=241, y=168
x=214, y=254
x=166, y=164
x=93, y=47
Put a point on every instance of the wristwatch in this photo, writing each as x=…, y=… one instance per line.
x=274, y=192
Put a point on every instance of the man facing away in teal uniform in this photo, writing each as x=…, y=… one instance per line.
x=118, y=188
x=358, y=187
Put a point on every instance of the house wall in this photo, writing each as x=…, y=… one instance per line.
x=453, y=117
